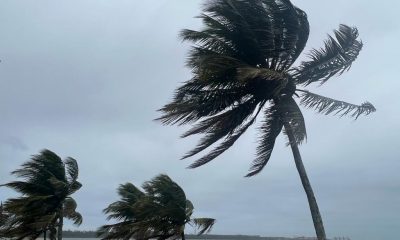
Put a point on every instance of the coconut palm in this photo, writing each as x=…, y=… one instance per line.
x=160, y=211
x=243, y=65
x=46, y=187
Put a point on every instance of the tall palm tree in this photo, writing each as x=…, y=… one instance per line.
x=161, y=212
x=243, y=65
x=46, y=187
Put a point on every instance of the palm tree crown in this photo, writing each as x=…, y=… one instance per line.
x=47, y=184
x=161, y=212
x=243, y=65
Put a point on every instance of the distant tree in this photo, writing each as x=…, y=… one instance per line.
x=243, y=65
x=46, y=187
x=160, y=212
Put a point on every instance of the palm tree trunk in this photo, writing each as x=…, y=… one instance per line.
x=316, y=216
x=183, y=235
x=60, y=224
x=53, y=233
x=44, y=234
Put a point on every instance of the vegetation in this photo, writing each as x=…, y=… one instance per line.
x=161, y=212
x=3, y=220
x=92, y=234
x=46, y=188
x=243, y=64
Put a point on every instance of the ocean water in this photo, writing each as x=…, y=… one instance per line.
x=99, y=239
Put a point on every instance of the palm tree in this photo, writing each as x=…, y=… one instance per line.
x=243, y=65
x=47, y=185
x=161, y=212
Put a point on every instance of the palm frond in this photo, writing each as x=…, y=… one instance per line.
x=129, y=193
x=120, y=211
x=290, y=30
x=41, y=167
x=225, y=145
x=303, y=34
x=28, y=188
x=270, y=128
x=220, y=126
x=60, y=187
x=291, y=114
x=335, y=58
x=208, y=38
x=75, y=186
x=194, y=101
x=233, y=134
x=235, y=28
x=52, y=163
x=189, y=209
x=76, y=217
x=125, y=209
x=122, y=230
x=72, y=169
x=327, y=105
x=70, y=212
x=203, y=224
x=260, y=32
x=165, y=191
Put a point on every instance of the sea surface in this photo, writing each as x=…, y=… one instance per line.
x=205, y=238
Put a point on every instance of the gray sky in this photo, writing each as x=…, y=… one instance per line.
x=84, y=79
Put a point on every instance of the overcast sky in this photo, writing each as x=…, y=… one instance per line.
x=84, y=78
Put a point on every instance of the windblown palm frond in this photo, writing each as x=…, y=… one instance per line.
x=231, y=135
x=335, y=58
x=189, y=210
x=72, y=169
x=125, y=208
x=286, y=110
x=204, y=225
x=270, y=130
x=70, y=212
x=291, y=114
x=327, y=105
x=123, y=230
x=27, y=187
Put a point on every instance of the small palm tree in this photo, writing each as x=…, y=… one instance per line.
x=47, y=184
x=161, y=212
x=243, y=65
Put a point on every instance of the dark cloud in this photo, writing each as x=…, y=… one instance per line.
x=85, y=78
